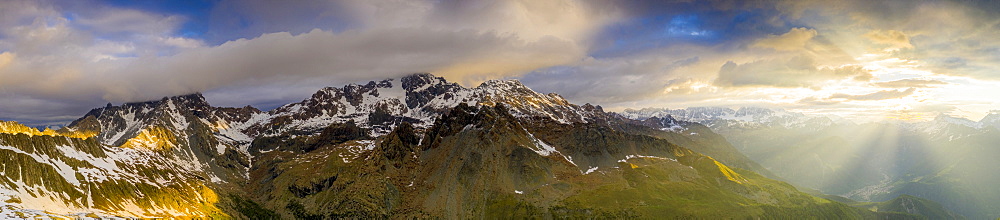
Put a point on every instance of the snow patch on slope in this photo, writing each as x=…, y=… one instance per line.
x=627, y=157
x=64, y=170
x=545, y=149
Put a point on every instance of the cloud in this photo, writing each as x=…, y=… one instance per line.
x=22, y=12
x=611, y=81
x=127, y=22
x=99, y=53
x=528, y=20
x=854, y=72
x=816, y=101
x=795, y=39
x=41, y=112
x=266, y=53
x=937, y=108
x=235, y=19
x=5, y=59
x=880, y=95
x=800, y=71
x=910, y=83
x=947, y=37
x=895, y=39
x=340, y=58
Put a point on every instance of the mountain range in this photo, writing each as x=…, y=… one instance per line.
x=416, y=147
x=947, y=160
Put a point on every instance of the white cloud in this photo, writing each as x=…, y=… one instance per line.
x=182, y=42
x=895, y=39
x=327, y=58
x=613, y=81
x=800, y=71
x=911, y=83
x=539, y=33
x=795, y=39
x=880, y=95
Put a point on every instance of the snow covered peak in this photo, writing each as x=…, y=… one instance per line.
x=754, y=112
x=942, y=127
x=644, y=113
x=514, y=88
x=417, y=99
x=432, y=93
x=193, y=101
x=745, y=117
x=421, y=81
x=991, y=120
x=689, y=114
x=945, y=127
x=524, y=102
x=943, y=118
x=992, y=117
x=117, y=124
x=704, y=113
x=505, y=86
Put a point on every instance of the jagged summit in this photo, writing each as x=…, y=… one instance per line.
x=956, y=120
x=418, y=80
x=116, y=125
x=414, y=147
x=510, y=85
x=991, y=120
x=377, y=105
x=726, y=117
x=417, y=99
x=190, y=101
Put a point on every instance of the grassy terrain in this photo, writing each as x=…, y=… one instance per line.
x=482, y=163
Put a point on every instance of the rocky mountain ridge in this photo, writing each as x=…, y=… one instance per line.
x=186, y=136
x=417, y=148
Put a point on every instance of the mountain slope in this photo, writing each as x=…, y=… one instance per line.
x=946, y=160
x=420, y=147
x=70, y=175
x=694, y=136
x=150, y=159
x=417, y=99
x=482, y=162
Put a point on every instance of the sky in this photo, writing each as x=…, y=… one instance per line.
x=864, y=60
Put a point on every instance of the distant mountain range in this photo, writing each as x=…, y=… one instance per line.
x=419, y=147
x=948, y=160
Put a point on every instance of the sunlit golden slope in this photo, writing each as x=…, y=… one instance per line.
x=12, y=127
